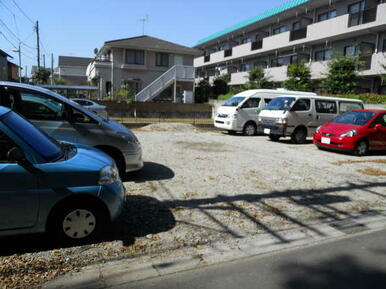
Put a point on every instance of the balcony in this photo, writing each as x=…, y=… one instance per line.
x=363, y=17
x=329, y=29
x=298, y=34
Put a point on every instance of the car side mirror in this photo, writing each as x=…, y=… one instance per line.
x=378, y=127
x=16, y=155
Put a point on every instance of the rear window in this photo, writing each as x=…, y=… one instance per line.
x=349, y=106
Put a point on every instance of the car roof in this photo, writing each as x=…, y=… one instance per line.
x=4, y=110
x=279, y=91
x=51, y=93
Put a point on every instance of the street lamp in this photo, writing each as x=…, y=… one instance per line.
x=19, y=51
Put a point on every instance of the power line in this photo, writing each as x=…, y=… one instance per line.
x=6, y=7
x=22, y=11
x=15, y=36
x=14, y=46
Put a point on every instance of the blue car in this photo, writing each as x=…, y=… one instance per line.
x=70, y=191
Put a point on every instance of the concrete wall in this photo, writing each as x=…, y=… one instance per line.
x=3, y=68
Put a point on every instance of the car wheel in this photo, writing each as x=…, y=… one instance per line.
x=77, y=223
x=361, y=148
x=274, y=137
x=299, y=136
x=250, y=129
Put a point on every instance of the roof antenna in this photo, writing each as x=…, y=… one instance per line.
x=144, y=20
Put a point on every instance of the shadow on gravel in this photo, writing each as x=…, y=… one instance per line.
x=141, y=216
x=340, y=272
x=150, y=172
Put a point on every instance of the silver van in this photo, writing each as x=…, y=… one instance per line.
x=66, y=120
x=240, y=113
x=298, y=116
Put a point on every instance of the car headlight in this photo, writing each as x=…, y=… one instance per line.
x=350, y=133
x=233, y=116
x=318, y=128
x=108, y=175
x=281, y=121
x=131, y=138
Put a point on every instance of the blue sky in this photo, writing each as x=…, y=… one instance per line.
x=76, y=27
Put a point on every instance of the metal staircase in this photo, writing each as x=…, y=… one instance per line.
x=174, y=74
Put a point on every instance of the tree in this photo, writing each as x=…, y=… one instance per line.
x=299, y=77
x=220, y=85
x=41, y=76
x=202, y=91
x=257, y=79
x=342, y=75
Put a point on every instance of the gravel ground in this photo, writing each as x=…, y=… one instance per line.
x=201, y=189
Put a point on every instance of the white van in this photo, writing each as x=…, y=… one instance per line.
x=298, y=116
x=241, y=112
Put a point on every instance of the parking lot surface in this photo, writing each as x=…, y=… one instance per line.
x=202, y=189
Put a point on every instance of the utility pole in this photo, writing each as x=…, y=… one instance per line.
x=19, y=51
x=52, y=68
x=44, y=60
x=37, y=43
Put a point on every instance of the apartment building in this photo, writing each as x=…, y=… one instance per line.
x=73, y=69
x=300, y=30
x=155, y=69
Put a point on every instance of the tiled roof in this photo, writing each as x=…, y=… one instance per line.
x=152, y=43
x=279, y=9
x=74, y=61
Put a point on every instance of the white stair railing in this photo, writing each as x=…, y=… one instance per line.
x=177, y=72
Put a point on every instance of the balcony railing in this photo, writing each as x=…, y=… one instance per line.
x=363, y=17
x=228, y=52
x=257, y=45
x=207, y=58
x=298, y=34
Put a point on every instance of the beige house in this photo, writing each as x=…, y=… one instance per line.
x=154, y=69
x=72, y=69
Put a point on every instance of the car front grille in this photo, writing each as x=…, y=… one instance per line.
x=223, y=115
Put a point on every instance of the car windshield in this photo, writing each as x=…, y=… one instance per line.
x=45, y=146
x=234, y=101
x=355, y=118
x=280, y=103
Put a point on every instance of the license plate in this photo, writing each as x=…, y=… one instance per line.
x=267, y=131
x=326, y=140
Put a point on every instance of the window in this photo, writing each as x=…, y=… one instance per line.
x=162, y=59
x=6, y=144
x=267, y=101
x=39, y=107
x=327, y=15
x=296, y=26
x=324, y=106
x=351, y=50
x=280, y=29
x=380, y=120
x=246, y=66
x=77, y=116
x=302, y=105
x=246, y=40
x=252, y=103
x=356, y=7
x=323, y=55
x=349, y=106
x=135, y=57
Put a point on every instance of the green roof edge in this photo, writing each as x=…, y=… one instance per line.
x=279, y=9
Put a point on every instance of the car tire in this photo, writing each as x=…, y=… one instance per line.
x=78, y=222
x=299, y=136
x=361, y=148
x=274, y=137
x=250, y=129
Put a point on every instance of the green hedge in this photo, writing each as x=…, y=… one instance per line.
x=370, y=98
x=225, y=96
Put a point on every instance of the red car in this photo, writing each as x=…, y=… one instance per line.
x=357, y=131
